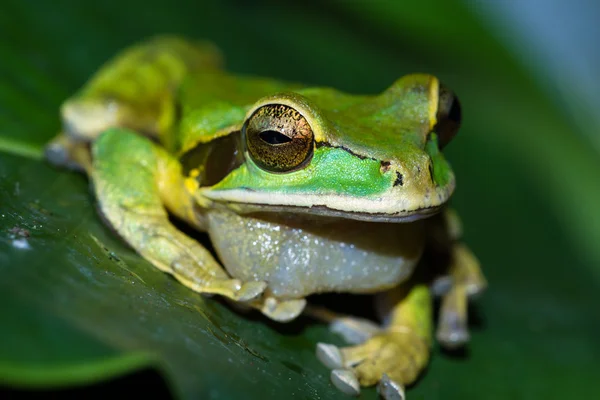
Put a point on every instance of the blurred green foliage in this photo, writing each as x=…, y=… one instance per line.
x=79, y=307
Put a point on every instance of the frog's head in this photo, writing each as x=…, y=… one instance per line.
x=321, y=151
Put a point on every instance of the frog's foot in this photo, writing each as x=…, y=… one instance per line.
x=233, y=289
x=393, y=359
x=452, y=331
x=190, y=263
x=65, y=152
x=281, y=310
x=354, y=330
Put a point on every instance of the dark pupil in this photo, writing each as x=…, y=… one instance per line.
x=454, y=113
x=274, y=137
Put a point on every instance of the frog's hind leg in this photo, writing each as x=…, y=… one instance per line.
x=65, y=152
x=134, y=90
x=393, y=357
x=132, y=179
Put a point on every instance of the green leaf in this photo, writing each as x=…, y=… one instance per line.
x=78, y=307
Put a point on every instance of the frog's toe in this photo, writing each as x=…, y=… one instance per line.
x=64, y=152
x=345, y=381
x=56, y=152
x=354, y=330
x=389, y=389
x=235, y=289
x=251, y=290
x=452, y=329
x=282, y=310
x=330, y=355
x=441, y=285
x=453, y=333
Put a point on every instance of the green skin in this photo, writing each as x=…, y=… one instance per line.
x=352, y=217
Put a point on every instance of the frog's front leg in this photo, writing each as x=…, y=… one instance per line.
x=132, y=179
x=466, y=281
x=393, y=357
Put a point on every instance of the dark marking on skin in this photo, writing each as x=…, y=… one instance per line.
x=325, y=144
x=399, y=179
x=431, y=174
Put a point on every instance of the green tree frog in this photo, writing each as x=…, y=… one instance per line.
x=301, y=189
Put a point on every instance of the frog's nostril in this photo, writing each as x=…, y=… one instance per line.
x=385, y=167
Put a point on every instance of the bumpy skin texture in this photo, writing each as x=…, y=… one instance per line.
x=345, y=210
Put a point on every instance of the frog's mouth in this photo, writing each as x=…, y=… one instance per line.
x=394, y=206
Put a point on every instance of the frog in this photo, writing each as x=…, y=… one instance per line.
x=301, y=190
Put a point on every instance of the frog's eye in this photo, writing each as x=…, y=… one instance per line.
x=278, y=138
x=448, y=116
